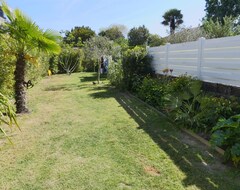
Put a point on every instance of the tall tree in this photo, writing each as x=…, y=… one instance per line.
x=96, y=48
x=172, y=18
x=113, y=33
x=138, y=36
x=218, y=9
x=26, y=38
x=78, y=35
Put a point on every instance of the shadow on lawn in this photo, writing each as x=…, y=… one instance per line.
x=198, y=164
x=66, y=87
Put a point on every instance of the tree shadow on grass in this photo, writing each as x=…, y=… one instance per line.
x=195, y=160
x=66, y=87
x=92, y=78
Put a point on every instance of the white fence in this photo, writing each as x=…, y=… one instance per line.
x=214, y=60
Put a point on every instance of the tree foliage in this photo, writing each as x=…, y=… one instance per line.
x=6, y=67
x=136, y=65
x=217, y=29
x=96, y=48
x=78, y=35
x=172, y=18
x=70, y=59
x=218, y=9
x=155, y=40
x=113, y=33
x=138, y=36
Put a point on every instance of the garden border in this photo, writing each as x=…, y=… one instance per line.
x=187, y=131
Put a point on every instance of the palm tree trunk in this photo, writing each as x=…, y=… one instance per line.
x=20, y=93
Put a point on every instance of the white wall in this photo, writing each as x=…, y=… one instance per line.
x=214, y=60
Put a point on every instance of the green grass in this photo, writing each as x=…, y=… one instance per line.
x=85, y=136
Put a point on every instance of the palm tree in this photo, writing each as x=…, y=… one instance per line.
x=26, y=38
x=172, y=18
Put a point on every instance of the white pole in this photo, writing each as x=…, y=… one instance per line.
x=200, y=59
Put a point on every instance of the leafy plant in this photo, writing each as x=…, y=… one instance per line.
x=226, y=134
x=115, y=74
x=184, y=104
x=7, y=115
x=136, y=64
x=152, y=92
x=212, y=109
x=218, y=29
x=70, y=59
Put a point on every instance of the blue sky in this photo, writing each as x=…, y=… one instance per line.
x=97, y=14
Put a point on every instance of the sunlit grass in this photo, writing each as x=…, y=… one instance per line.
x=85, y=136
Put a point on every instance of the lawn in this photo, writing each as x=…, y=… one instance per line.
x=85, y=136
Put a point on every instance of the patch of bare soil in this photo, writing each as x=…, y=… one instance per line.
x=151, y=171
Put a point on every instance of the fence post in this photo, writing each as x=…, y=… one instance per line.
x=200, y=59
x=167, y=52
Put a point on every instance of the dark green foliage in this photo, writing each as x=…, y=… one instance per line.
x=213, y=108
x=155, y=40
x=227, y=134
x=153, y=92
x=136, y=65
x=218, y=9
x=138, y=36
x=78, y=35
x=53, y=64
x=172, y=18
x=184, y=104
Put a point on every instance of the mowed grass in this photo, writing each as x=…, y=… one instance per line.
x=85, y=136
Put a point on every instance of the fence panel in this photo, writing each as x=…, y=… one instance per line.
x=214, y=60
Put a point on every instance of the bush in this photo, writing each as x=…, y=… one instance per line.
x=70, y=60
x=115, y=74
x=212, y=109
x=35, y=71
x=136, y=64
x=152, y=92
x=53, y=64
x=184, y=102
x=226, y=134
x=7, y=67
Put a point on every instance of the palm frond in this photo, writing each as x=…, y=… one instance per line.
x=52, y=35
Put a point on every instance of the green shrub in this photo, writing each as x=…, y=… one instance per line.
x=136, y=63
x=226, y=134
x=7, y=68
x=212, y=109
x=35, y=71
x=152, y=92
x=115, y=74
x=184, y=105
x=53, y=64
